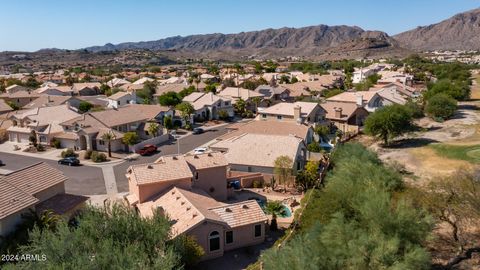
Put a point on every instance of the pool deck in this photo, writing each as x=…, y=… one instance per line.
x=269, y=195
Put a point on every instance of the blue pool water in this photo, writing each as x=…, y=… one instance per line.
x=287, y=211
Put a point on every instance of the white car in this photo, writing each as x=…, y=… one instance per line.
x=199, y=150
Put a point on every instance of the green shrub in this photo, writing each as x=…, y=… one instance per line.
x=257, y=184
x=314, y=147
x=441, y=106
x=55, y=143
x=40, y=148
x=88, y=154
x=98, y=157
x=68, y=153
x=223, y=115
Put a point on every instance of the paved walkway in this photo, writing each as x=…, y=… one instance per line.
x=109, y=178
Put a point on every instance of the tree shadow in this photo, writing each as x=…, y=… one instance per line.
x=410, y=143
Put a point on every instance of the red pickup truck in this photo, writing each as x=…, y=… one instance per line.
x=147, y=149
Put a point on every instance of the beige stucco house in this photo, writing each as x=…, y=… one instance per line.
x=44, y=121
x=208, y=105
x=38, y=187
x=309, y=113
x=86, y=131
x=192, y=191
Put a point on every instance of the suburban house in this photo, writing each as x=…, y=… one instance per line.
x=370, y=100
x=266, y=147
x=53, y=89
x=345, y=116
x=192, y=191
x=48, y=101
x=402, y=89
x=86, y=89
x=38, y=187
x=19, y=98
x=302, y=131
x=117, y=82
x=121, y=98
x=171, y=87
x=361, y=74
x=85, y=132
x=273, y=93
x=301, y=112
x=208, y=105
x=44, y=121
x=237, y=93
x=16, y=88
x=4, y=107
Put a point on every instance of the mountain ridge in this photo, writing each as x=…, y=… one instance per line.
x=459, y=32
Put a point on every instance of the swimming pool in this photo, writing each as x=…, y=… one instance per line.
x=286, y=210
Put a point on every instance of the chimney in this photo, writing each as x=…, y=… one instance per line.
x=359, y=100
x=297, y=114
x=338, y=112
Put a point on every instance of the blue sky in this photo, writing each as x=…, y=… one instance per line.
x=32, y=25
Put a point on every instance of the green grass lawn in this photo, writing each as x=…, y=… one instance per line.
x=469, y=153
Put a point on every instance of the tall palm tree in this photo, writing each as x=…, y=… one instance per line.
x=256, y=101
x=109, y=137
x=274, y=208
x=153, y=129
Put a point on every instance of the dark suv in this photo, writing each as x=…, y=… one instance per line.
x=70, y=161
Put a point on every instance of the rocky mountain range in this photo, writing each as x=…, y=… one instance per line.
x=460, y=32
x=311, y=42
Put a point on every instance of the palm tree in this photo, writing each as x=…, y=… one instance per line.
x=240, y=105
x=256, y=101
x=153, y=129
x=109, y=137
x=274, y=208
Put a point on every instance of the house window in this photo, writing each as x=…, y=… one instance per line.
x=258, y=230
x=227, y=103
x=196, y=175
x=214, y=240
x=264, y=116
x=249, y=169
x=279, y=117
x=101, y=142
x=228, y=237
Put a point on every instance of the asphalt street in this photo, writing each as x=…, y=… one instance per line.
x=88, y=180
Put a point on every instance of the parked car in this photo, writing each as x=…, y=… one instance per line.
x=1, y=163
x=70, y=161
x=199, y=150
x=197, y=131
x=147, y=149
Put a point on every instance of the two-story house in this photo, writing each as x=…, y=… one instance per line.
x=310, y=113
x=192, y=191
x=208, y=105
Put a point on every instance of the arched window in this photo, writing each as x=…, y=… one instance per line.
x=214, y=240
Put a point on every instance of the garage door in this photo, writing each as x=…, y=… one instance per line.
x=23, y=138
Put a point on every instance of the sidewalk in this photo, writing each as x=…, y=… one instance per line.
x=51, y=154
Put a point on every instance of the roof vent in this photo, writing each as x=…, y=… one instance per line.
x=182, y=203
x=194, y=215
x=245, y=206
x=174, y=158
x=228, y=210
x=195, y=156
x=149, y=166
x=189, y=207
x=209, y=154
